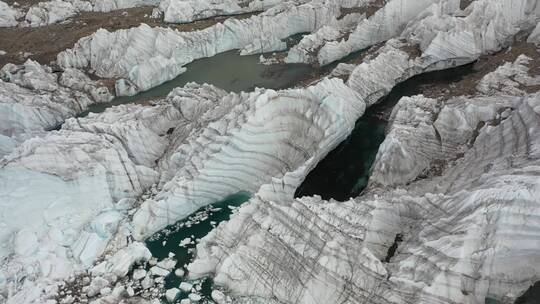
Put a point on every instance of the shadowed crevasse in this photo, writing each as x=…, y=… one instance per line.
x=344, y=172
x=531, y=296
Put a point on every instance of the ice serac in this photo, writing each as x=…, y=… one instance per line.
x=442, y=40
x=535, y=36
x=245, y=149
x=145, y=57
x=50, y=12
x=387, y=22
x=486, y=27
x=65, y=195
x=427, y=134
x=307, y=49
x=460, y=229
x=205, y=177
x=110, y=5
x=189, y=11
x=9, y=15
x=34, y=99
x=461, y=236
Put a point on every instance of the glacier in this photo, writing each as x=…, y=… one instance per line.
x=450, y=214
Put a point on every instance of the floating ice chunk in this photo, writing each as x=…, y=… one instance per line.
x=186, y=287
x=123, y=260
x=171, y=294
x=158, y=271
x=218, y=296
x=167, y=264
x=139, y=274
x=185, y=242
x=194, y=297
x=179, y=272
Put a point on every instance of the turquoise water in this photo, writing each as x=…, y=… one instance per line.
x=196, y=226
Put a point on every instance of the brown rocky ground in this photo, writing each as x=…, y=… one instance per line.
x=44, y=43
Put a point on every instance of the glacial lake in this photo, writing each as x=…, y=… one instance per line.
x=194, y=227
x=229, y=71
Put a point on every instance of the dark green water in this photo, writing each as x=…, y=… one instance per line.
x=197, y=225
x=531, y=296
x=345, y=171
x=228, y=70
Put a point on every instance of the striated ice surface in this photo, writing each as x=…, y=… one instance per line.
x=467, y=234
x=145, y=57
x=439, y=27
x=449, y=216
x=318, y=118
x=188, y=11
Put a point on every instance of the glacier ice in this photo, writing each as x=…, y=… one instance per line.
x=455, y=179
